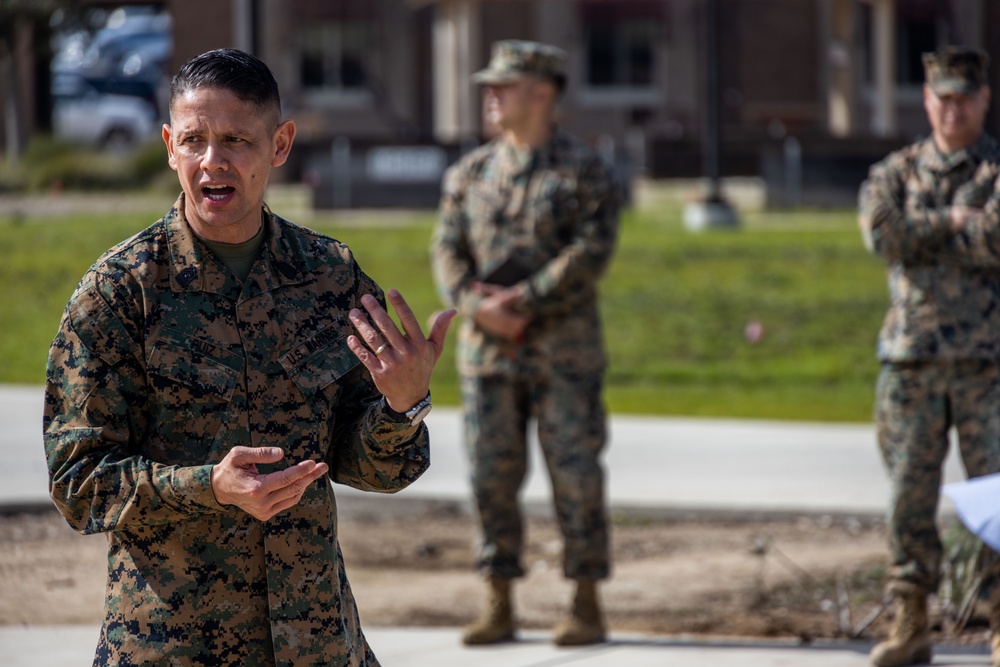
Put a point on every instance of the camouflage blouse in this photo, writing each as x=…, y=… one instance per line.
x=553, y=211
x=164, y=362
x=944, y=287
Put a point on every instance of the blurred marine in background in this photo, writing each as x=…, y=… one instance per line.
x=528, y=224
x=932, y=212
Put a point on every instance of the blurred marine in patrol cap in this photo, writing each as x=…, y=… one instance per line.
x=929, y=211
x=527, y=227
x=515, y=59
x=955, y=70
x=956, y=96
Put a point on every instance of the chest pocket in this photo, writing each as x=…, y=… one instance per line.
x=484, y=201
x=319, y=360
x=484, y=210
x=552, y=214
x=192, y=368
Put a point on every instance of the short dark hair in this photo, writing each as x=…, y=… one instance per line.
x=244, y=75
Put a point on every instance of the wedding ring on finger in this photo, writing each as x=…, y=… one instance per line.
x=381, y=349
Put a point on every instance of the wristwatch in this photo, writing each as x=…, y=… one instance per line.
x=413, y=416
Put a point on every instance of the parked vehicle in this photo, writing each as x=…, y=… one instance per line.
x=109, y=86
x=110, y=122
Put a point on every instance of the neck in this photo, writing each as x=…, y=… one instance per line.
x=240, y=232
x=948, y=146
x=532, y=136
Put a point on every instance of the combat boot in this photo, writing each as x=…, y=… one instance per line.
x=584, y=625
x=497, y=622
x=909, y=642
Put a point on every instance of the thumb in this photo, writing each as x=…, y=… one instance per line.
x=509, y=296
x=439, y=330
x=251, y=455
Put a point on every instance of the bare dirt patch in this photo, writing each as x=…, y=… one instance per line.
x=810, y=578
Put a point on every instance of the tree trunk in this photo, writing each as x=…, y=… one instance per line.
x=11, y=107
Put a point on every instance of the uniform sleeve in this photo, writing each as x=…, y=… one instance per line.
x=892, y=228
x=370, y=451
x=978, y=244
x=94, y=420
x=571, y=276
x=451, y=256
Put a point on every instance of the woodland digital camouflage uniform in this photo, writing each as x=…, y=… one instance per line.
x=940, y=342
x=556, y=211
x=164, y=362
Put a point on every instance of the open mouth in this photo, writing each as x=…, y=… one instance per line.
x=218, y=192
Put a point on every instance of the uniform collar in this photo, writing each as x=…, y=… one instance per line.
x=933, y=159
x=517, y=162
x=514, y=161
x=194, y=268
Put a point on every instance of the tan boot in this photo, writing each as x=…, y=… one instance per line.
x=584, y=625
x=909, y=642
x=497, y=622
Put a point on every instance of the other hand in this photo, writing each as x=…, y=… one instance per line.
x=496, y=314
x=236, y=481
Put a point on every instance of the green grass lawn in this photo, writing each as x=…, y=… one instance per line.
x=675, y=306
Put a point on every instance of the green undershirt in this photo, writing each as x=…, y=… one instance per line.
x=238, y=257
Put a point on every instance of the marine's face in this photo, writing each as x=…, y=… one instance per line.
x=508, y=105
x=223, y=149
x=957, y=118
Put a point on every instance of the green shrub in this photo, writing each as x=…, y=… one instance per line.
x=52, y=164
x=43, y=148
x=149, y=163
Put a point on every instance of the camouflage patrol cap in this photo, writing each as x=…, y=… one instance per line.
x=955, y=69
x=513, y=59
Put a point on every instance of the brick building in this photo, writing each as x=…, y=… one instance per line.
x=841, y=76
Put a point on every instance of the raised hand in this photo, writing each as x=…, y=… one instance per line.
x=401, y=362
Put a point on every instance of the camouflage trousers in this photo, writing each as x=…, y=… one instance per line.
x=916, y=405
x=571, y=431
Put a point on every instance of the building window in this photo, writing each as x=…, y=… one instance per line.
x=921, y=26
x=620, y=53
x=620, y=38
x=623, y=41
x=914, y=38
x=333, y=55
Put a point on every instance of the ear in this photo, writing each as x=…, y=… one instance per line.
x=167, y=139
x=928, y=94
x=545, y=91
x=284, y=135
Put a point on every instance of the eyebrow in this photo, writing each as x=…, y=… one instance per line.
x=198, y=129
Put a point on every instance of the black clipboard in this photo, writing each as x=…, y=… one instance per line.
x=509, y=272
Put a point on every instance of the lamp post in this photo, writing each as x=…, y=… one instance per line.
x=713, y=211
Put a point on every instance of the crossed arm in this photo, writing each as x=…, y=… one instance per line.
x=900, y=227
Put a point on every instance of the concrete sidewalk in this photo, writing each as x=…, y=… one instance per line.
x=657, y=465
x=67, y=646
